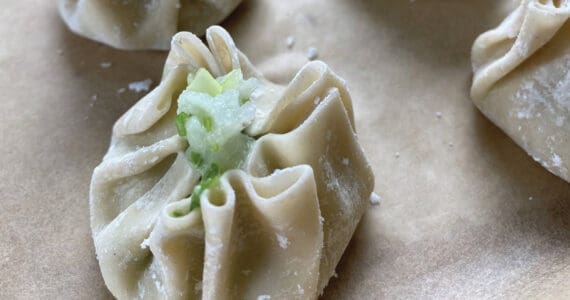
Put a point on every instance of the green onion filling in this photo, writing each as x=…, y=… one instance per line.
x=212, y=115
x=181, y=123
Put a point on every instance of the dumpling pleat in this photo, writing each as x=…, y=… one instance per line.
x=344, y=179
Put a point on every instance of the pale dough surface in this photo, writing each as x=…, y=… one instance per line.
x=521, y=80
x=137, y=24
x=474, y=219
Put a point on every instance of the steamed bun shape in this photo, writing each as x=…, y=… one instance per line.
x=142, y=24
x=522, y=81
x=276, y=227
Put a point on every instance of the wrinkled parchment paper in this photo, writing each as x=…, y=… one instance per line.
x=465, y=213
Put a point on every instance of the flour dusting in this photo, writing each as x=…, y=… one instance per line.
x=140, y=86
x=300, y=290
x=375, y=199
x=556, y=160
x=312, y=53
x=542, y=104
x=283, y=241
x=145, y=244
x=546, y=91
x=290, y=42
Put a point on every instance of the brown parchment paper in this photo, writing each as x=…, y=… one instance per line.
x=465, y=213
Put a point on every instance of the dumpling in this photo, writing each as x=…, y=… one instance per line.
x=522, y=80
x=142, y=24
x=219, y=184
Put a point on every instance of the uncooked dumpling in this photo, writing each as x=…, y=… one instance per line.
x=219, y=184
x=142, y=24
x=522, y=80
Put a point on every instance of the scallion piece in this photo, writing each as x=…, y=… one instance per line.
x=180, y=121
x=195, y=201
x=197, y=159
x=208, y=123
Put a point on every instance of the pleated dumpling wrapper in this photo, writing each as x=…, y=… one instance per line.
x=522, y=81
x=138, y=24
x=219, y=184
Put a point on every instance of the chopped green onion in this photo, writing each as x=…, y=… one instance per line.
x=196, y=158
x=203, y=82
x=212, y=172
x=215, y=147
x=178, y=214
x=195, y=201
x=243, y=101
x=181, y=123
x=231, y=80
x=208, y=123
x=207, y=182
x=189, y=78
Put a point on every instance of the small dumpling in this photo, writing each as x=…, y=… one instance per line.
x=220, y=184
x=142, y=24
x=522, y=80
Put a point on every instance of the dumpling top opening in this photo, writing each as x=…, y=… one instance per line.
x=212, y=114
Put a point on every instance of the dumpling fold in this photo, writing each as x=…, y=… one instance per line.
x=142, y=24
x=521, y=80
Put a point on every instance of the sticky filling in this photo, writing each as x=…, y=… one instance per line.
x=212, y=115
